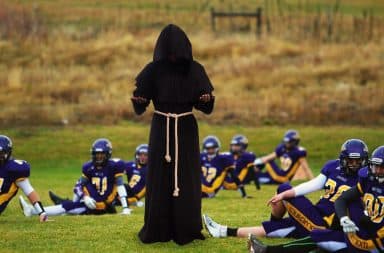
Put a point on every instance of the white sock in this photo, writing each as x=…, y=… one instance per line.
x=54, y=210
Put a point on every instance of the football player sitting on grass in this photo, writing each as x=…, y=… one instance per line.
x=101, y=182
x=244, y=167
x=292, y=161
x=14, y=175
x=362, y=226
x=136, y=173
x=215, y=167
x=336, y=177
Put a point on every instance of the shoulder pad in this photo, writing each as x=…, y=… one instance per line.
x=363, y=172
x=15, y=165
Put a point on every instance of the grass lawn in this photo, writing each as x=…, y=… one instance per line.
x=56, y=156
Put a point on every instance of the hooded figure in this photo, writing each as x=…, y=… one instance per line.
x=176, y=84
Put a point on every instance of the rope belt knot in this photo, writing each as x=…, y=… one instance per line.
x=167, y=156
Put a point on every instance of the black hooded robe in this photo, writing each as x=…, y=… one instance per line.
x=174, y=82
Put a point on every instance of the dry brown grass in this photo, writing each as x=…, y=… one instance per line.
x=79, y=73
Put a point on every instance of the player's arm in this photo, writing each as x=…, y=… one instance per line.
x=302, y=189
x=304, y=165
x=87, y=199
x=341, y=208
x=265, y=159
x=122, y=192
x=33, y=197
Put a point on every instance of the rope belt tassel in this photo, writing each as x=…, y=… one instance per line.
x=167, y=156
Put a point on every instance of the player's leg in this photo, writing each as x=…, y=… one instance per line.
x=302, y=245
x=56, y=199
x=265, y=177
x=67, y=207
x=306, y=216
x=217, y=230
x=329, y=240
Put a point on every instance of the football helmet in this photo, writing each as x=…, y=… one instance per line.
x=101, y=146
x=211, y=142
x=353, y=155
x=241, y=142
x=376, y=164
x=5, y=149
x=141, y=149
x=291, y=138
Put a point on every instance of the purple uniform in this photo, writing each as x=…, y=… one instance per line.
x=214, y=172
x=303, y=215
x=242, y=165
x=136, y=174
x=369, y=236
x=11, y=172
x=289, y=163
x=101, y=185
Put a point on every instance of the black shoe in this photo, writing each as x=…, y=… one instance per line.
x=56, y=199
x=255, y=246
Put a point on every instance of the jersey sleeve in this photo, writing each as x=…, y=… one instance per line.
x=227, y=161
x=85, y=171
x=20, y=170
x=301, y=152
x=326, y=170
x=119, y=167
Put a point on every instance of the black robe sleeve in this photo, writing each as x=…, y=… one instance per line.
x=341, y=204
x=144, y=89
x=204, y=87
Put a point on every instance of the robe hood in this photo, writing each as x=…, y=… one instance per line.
x=173, y=44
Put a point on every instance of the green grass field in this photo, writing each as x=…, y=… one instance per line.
x=56, y=156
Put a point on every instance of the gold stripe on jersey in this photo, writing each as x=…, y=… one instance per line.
x=6, y=196
x=360, y=188
x=360, y=243
x=301, y=218
x=119, y=174
x=243, y=173
x=282, y=179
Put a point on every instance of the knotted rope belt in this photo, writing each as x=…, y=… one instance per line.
x=167, y=155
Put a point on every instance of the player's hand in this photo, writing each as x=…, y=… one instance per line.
x=139, y=100
x=43, y=217
x=348, y=225
x=205, y=98
x=126, y=211
x=89, y=202
x=275, y=199
x=258, y=162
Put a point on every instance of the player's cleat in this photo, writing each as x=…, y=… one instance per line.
x=255, y=246
x=27, y=208
x=214, y=228
x=56, y=199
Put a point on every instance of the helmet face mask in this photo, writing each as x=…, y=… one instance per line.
x=376, y=165
x=141, y=154
x=353, y=156
x=101, y=152
x=291, y=139
x=236, y=149
x=239, y=144
x=211, y=146
x=99, y=158
x=353, y=165
x=5, y=149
